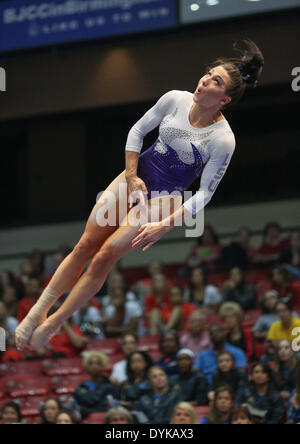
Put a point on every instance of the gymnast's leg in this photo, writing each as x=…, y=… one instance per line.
x=116, y=246
x=71, y=268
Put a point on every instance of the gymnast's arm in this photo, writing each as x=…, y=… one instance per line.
x=134, y=144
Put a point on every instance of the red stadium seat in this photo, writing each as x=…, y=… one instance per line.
x=95, y=418
x=108, y=346
x=21, y=368
x=64, y=385
x=25, y=385
x=32, y=420
x=202, y=411
x=71, y=366
x=251, y=318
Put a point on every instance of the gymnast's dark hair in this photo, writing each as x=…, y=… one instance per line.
x=244, y=70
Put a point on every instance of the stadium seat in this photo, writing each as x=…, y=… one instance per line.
x=95, y=418
x=71, y=366
x=108, y=346
x=21, y=368
x=250, y=318
x=25, y=385
x=64, y=385
x=202, y=411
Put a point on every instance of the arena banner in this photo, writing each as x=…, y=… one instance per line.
x=203, y=10
x=36, y=23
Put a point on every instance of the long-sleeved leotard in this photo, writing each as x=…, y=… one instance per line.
x=182, y=153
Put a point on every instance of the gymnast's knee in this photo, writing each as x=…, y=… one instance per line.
x=85, y=249
x=103, y=260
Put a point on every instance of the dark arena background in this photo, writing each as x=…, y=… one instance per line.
x=193, y=330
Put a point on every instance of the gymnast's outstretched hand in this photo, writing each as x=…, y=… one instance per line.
x=148, y=234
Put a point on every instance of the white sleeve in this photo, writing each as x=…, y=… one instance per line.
x=150, y=120
x=214, y=170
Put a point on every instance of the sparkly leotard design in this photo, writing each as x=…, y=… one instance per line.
x=182, y=153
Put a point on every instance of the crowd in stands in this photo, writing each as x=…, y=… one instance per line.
x=209, y=341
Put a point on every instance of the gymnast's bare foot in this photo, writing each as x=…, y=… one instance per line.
x=42, y=335
x=25, y=330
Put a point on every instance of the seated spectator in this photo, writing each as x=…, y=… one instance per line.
x=116, y=282
x=11, y=413
x=236, y=289
x=269, y=356
x=287, y=289
x=197, y=339
x=294, y=403
x=118, y=415
x=138, y=365
x=241, y=415
x=38, y=259
x=33, y=291
x=269, y=252
x=122, y=316
x=49, y=410
x=285, y=369
x=207, y=252
x=119, y=372
x=228, y=375
x=222, y=408
x=207, y=361
x=291, y=255
x=268, y=317
x=184, y=413
x=262, y=395
x=170, y=346
x=174, y=317
x=283, y=329
x=144, y=286
x=157, y=302
x=159, y=403
x=89, y=320
x=10, y=299
x=65, y=417
x=91, y=396
x=27, y=272
x=9, y=280
x=191, y=383
x=240, y=252
x=201, y=293
x=8, y=323
x=232, y=315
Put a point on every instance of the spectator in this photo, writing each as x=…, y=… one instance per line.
x=262, y=395
x=184, y=413
x=207, y=361
x=138, y=365
x=201, y=293
x=65, y=417
x=241, y=415
x=91, y=396
x=89, y=320
x=10, y=299
x=115, y=282
x=143, y=287
x=170, y=346
x=269, y=356
x=283, y=329
x=269, y=316
x=287, y=289
x=122, y=316
x=228, y=375
x=157, y=302
x=291, y=255
x=240, y=252
x=222, y=408
x=197, y=339
x=285, y=369
x=38, y=259
x=159, y=403
x=118, y=415
x=269, y=252
x=8, y=280
x=11, y=413
x=207, y=252
x=232, y=315
x=33, y=291
x=49, y=410
x=119, y=372
x=8, y=323
x=191, y=383
x=294, y=403
x=27, y=271
x=236, y=289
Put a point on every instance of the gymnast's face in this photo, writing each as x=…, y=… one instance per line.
x=212, y=88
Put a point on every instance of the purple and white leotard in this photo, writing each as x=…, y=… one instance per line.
x=182, y=153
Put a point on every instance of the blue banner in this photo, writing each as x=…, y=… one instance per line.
x=29, y=24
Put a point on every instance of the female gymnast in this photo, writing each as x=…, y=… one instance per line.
x=195, y=140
